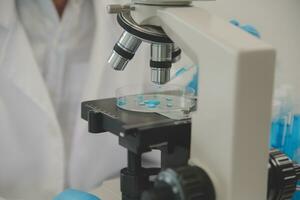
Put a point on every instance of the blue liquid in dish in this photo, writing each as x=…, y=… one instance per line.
x=169, y=99
x=142, y=103
x=140, y=98
x=170, y=105
x=121, y=101
x=149, y=105
x=152, y=102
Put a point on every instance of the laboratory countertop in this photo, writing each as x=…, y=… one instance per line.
x=110, y=190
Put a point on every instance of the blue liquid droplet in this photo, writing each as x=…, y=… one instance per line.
x=121, y=101
x=149, y=105
x=169, y=99
x=140, y=97
x=170, y=105
x=152, y=101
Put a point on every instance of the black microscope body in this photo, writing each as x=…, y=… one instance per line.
x=140, y=133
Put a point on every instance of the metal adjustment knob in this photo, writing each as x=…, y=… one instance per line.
x=283, y=176
x=117, y=8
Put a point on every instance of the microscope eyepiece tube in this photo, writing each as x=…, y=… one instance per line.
x=124, y=51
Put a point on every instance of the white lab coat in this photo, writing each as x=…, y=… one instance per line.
x=31, y=147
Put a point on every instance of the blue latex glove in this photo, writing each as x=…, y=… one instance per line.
x=71, y=194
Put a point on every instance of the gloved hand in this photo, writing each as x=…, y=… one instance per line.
x=71, y=194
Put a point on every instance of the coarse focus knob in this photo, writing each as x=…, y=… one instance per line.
x=196, y=184
x=185, y=183
x=283, y=176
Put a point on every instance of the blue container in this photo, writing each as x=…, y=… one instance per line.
x=296, y=146
x=296, y=196
x=278, y=132
x=285, y=136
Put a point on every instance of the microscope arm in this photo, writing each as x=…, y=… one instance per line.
x=230, y=129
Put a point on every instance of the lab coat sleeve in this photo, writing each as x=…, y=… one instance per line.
x=5, y=128
x=3, y=125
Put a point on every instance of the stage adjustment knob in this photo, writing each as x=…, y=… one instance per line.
x=283, y=176
x=186, y=183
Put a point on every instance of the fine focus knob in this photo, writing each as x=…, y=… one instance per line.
x=186, y=183
x=283, y=176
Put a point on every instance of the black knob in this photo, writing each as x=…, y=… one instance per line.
x=185, y=183
x=195, y=183
x=162, y=191
x=283, y=176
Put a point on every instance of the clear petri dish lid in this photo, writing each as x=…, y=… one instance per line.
x=156, y=98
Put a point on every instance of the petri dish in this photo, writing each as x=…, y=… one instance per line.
x=156, y=98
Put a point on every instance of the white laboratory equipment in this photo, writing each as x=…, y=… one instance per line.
x=222, y=151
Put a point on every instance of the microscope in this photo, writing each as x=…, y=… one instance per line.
x=221, y=151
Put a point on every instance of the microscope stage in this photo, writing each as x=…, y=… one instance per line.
x=137, y=130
